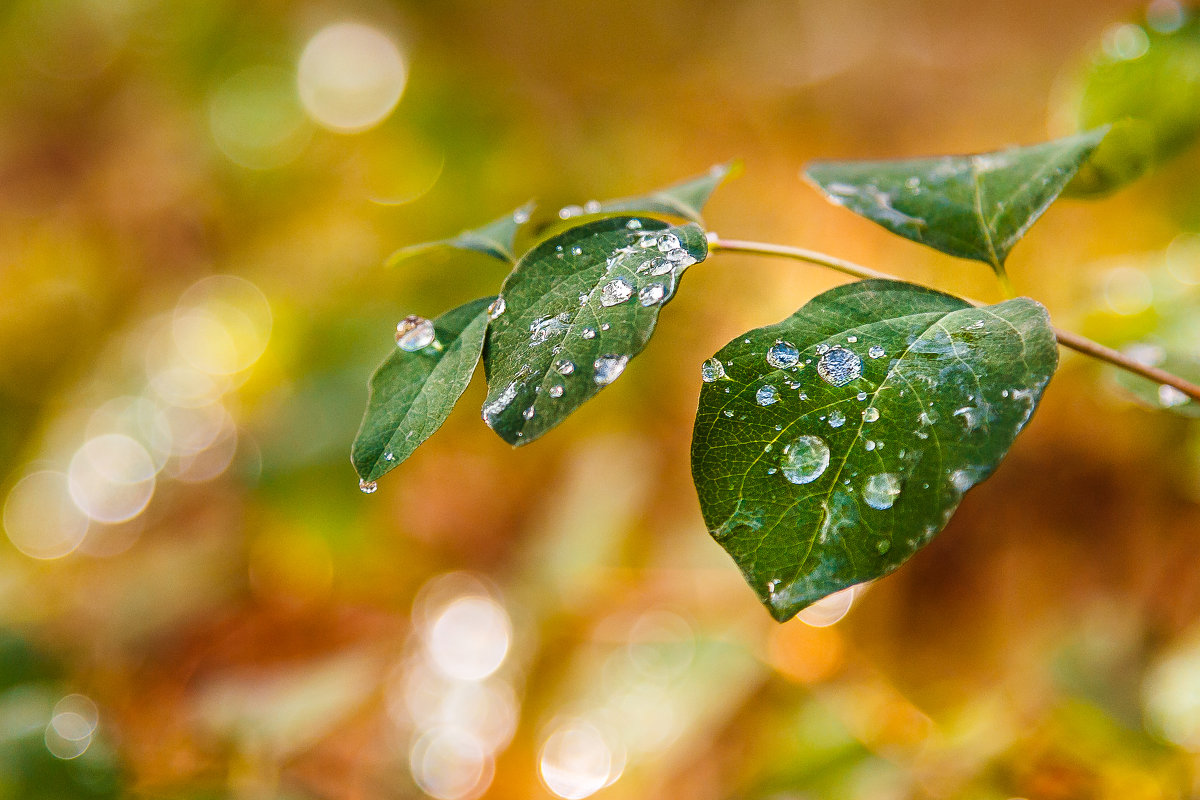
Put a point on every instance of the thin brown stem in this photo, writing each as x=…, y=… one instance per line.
x=1068, y=339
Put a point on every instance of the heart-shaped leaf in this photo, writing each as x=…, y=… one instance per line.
x=1146, y=80
x=974, y=206
x=495, y=239
x=577, y=307
x=413, y=391
x=830, y=447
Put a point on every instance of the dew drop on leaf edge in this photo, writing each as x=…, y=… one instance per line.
x=712, y=370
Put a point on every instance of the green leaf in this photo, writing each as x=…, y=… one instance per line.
x=1146, y=82
x=683, y=200
x=974, y=206
x=833, y=471
x=576, y=308
x=495, y=239
x=412, y=393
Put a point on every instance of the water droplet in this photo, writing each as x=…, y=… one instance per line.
x=860, y=396
x=837, y=419
x=556, y=391
x=961, y=480
x=875, y=351
x=608, y=368
x=414, y=333
x=1170, y=397
x=782, y=355
x=668, y=242
x=880, y=491
x=766, y=395
x=564, y=367
x=543, y=328
x=520, y=216
x=870, y=414
x=588, y=333
x=576, y=251
x=367, y=487
x=839, y=366
x=728, y=413
x=651, y=293
x=496, y=308
x=868, y=445
x=528, y=413
x=566, y=212
x=592, y=207
x=712, y=370
x=492, y=410
x=678, y=254
x=633, y=224
x=822, y=349
x=882, y=546
x=851, y=339
x=805, y=459
x=604, y=326
x=615, y=292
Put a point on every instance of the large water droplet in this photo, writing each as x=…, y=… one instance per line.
x=805, y=459
x=414, y=333
x=608, y=368
x=651, y=293
x=564, y=367
x=496, y=308
x=836, y=418
x=838, y=366
x=668, y=242
x=782, y=355
x=712, y=370
x=556, y=391
x=588, y=333
x=1169, y=396
x=615, y=292
x=367, y=487
x=875, y=351
x=633, y=224
x=766, y=395
x=870, y=414
x=881, y=490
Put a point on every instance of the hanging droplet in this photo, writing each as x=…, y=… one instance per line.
x=367, y=487
x=766, y=395
x=414, y=333
x=651, y=294
x=880, y=491
x=805, y=459
x=606, y=369
x=496, y=308
x=712, y=370
x=839, y=366
x=782, y=355
x=615, y=292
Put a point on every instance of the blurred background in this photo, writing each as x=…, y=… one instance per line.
x=196, y=198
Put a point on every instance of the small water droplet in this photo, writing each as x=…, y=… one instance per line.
x=615, y=292
x=766, y=395
x=728, y=413
x=556, y=391
x=875, y=351
x=606, y=369
x=868, y=445
x=528, y=413
x=564, y=367
x=837, y=419
x=870, y=414
x=782, y=355
x=851, y=339
x=588, y=333
x=668, y=242
x=496, y=308
x=712, y=370
x=367, y=487
x=576, y=251
x=839, y=366
x=389, y=456
x=414, y=333
x=880, y=491
x=1170, y=397
x=860, y=396
x=805, y=459
x=651, y=293
x=633, y=224
x=822, y=349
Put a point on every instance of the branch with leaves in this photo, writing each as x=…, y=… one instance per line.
x=829, y=447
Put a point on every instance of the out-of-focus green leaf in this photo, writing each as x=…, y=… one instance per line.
x=576, y=308
x=973, y=206
x=412, y=393
x=495, y=239
x=830, y=447
x=1146, y=82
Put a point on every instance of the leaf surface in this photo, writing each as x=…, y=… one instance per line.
x=830, y=447
x=577, y=307
x=496, y=239
x=412, y=393
x=973, y=206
